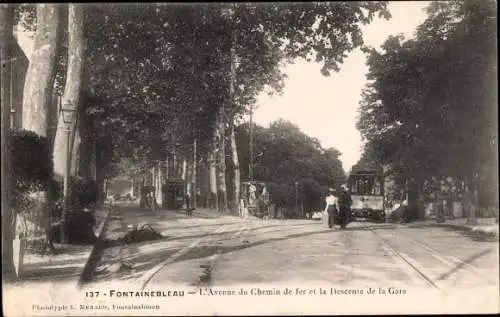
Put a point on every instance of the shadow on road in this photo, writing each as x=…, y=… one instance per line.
x=51, y=273
x=235, y=231
x=370, y=227
x=143, y=262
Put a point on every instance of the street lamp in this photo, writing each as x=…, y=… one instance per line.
x=67, y=116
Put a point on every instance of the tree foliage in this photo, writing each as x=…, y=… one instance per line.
x=32, y=164
x=432, y=90
x=175, y=76
x=285, y=155
x=429, y=110
x=158, y=74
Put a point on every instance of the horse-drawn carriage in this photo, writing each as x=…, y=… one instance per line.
x=254, y=199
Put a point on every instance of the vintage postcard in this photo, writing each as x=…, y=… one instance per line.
x=270, y=158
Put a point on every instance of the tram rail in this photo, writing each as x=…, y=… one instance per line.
x=408, y=263
x=452, y=262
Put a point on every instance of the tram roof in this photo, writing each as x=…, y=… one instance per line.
x=366, y=170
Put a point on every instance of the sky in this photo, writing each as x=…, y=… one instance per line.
x=326, y=107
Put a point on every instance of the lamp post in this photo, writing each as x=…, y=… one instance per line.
x=67, y=114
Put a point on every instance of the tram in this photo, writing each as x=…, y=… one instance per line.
x=173, y=194
x=366, y=185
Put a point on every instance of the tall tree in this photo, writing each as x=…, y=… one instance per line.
x=407, y=124
x=72, y=90
x=38, y=91
x=65, y=139
x=41, y=73
x=8, y=217
x=153, y=84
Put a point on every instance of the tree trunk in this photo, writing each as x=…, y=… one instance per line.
x=207, y=182
x=193, y=177
x=72, y=90
x=221, y=166
x=8, y=216
x=167, y=169
x=469, y=201
x=184, y=169
x=93, y=161
x=212, y=155
x=473, y=207
x=413, y=199
x=440, y=218
x=158, y=184
x=232, y=134
x=38, y=90
x=99, y=178
x=236, y=171
x=76, y=152
x=251, y=128
x=52, y=119
x=41, y=72
x=64, y=140
x=175, y=172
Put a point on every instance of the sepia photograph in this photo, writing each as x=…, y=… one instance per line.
x=249, y=158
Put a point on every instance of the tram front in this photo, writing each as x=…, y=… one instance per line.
x=367, y=193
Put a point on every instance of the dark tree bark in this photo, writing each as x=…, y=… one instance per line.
x=221, y=163
x=73, y=88
x=235, y=196
x=213, y=201
x=8, y=216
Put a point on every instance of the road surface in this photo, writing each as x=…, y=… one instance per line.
x=207, y=253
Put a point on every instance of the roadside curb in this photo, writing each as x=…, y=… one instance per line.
x=79, y=262
x=469, y=229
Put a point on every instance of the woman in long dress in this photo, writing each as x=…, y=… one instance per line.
x=331, y=207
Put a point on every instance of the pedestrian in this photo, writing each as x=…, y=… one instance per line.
x=331, y=207
x=344, y=203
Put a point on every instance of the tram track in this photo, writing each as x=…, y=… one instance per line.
x=445, y=267
x=453, y=263
x=111, y=255
x=206, y=278
x=210, y=239
x=408, y=263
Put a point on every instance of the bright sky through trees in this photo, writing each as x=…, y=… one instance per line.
x=326, y=107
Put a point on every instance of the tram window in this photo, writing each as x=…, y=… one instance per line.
x=178, y=192
x=361, y=186
x=366, y=185
x=376, y=187
x=354, y=186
